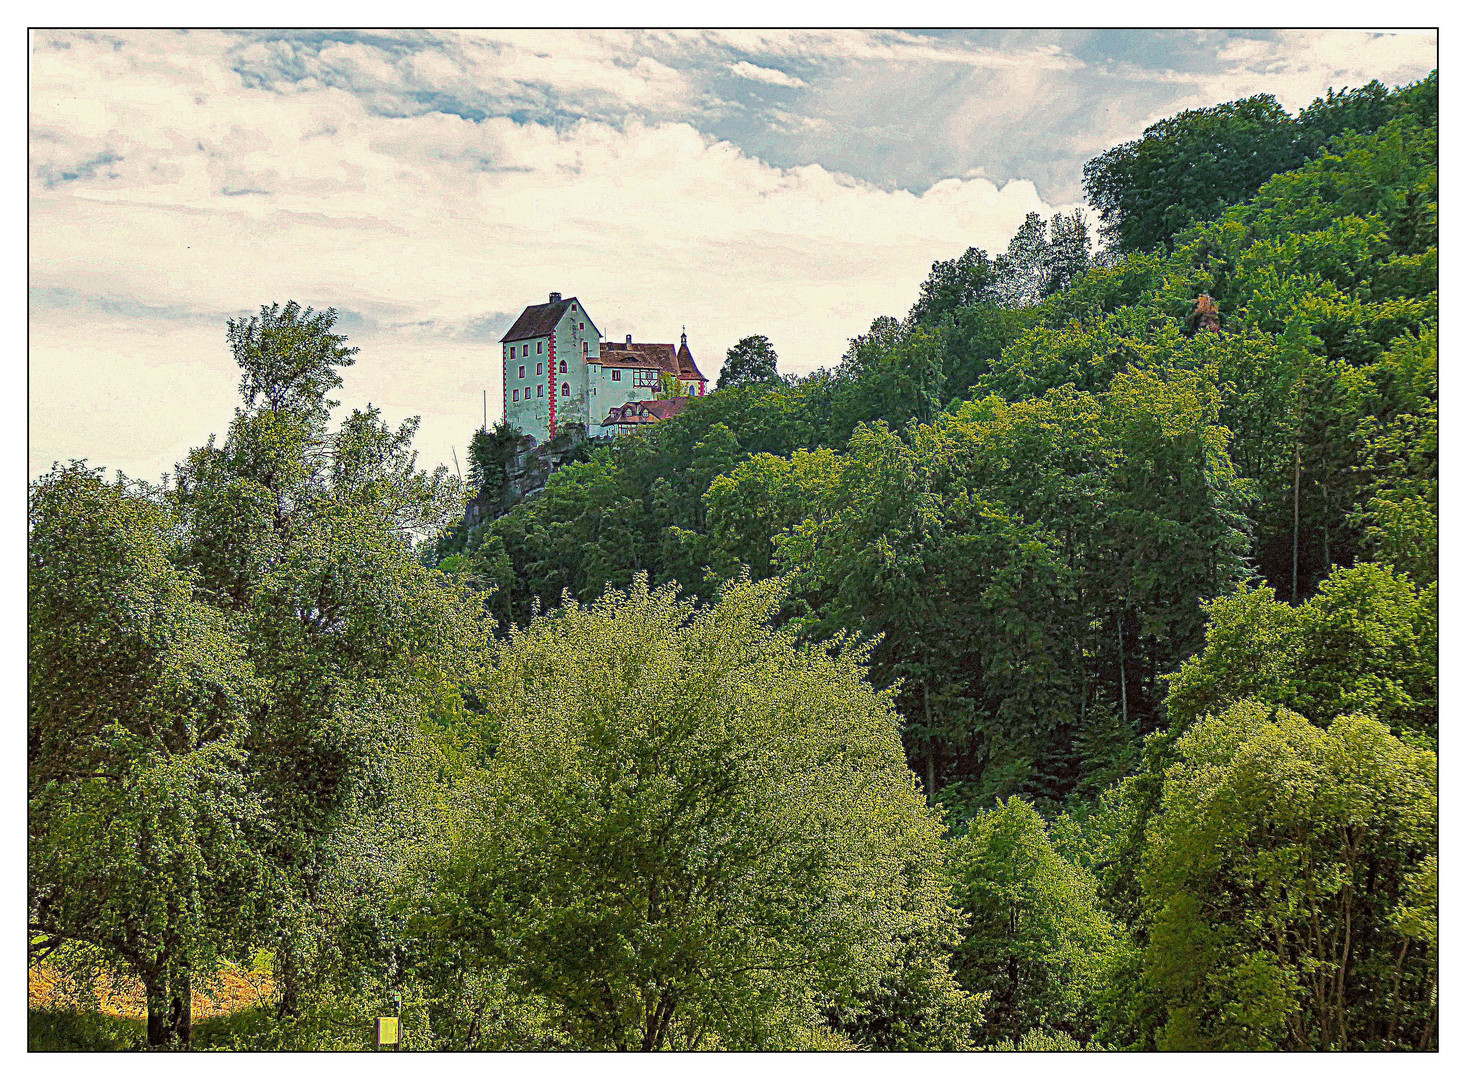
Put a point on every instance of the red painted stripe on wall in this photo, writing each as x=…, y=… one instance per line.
x=553, y=384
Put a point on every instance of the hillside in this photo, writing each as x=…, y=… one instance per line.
x=1058, y=669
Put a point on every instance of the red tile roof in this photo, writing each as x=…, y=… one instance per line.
x=638, y=355
x=686, y=366
x=644, y=412
x=674, y=361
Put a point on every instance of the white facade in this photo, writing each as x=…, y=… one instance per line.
x=540, y=369
x=556, y=371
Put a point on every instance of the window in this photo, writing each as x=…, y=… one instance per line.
x=563, y=367
x=539, y=369
x=539, y=391
x=582, y=326
x=565, y=389
x=511, y=352
x=516, y=395
x=615, y=374
x=539, y=346
x=585, y=348
x=521, y=371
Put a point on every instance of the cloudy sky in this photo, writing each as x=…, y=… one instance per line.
x=429, y=185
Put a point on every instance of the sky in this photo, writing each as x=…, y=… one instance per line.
x=428, y=186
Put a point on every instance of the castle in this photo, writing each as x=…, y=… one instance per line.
x=558, y=371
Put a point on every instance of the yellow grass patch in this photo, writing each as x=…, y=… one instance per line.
x=234, y=990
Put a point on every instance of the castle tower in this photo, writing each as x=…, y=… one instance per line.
x=548, y=354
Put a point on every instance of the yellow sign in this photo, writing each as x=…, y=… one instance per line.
x=388, y=1032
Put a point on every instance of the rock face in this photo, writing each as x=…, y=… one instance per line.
x=527, y=470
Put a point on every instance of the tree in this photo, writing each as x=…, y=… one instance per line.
x=1034, y=937
x=139, y=704
x=1365, y=643
x=893, y=374
x=1068, y=254
x=952, y=285
x=489, y=454
x=1290, y=887
x=752, y=360
x=952, y=542
x=691, y=833
x=1041, y=260
x=301, y=536
x=1400, y=503
x=288, y=358
x=1023, y=270
x=669, y=387
x=1189, y=167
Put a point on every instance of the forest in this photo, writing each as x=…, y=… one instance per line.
x=1057, y=670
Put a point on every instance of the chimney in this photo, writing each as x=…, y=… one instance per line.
x=554, y=298
x=628, y=339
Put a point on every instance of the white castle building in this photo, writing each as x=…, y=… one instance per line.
x=557, y=371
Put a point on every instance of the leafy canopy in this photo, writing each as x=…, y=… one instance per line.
x=752, y=360
x=694, y=833
x=1290, y=886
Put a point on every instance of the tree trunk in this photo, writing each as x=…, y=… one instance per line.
x=1297, y=474
x=287, y=969
x=931, y=748
x=1328, y=558
x=180, y=1010
x=155, y=987
x=170, y=1011
x=1124, y=695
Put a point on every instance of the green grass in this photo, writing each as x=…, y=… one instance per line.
x=71, y=1030
x=74, y=1029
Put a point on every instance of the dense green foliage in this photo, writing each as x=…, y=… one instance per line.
x=1290, y=886
x=1143, y=604
x=1036, y=939
x=705, y=836
x=752, y=360
x=140, y=699
x=240, y=657
x=1191, y=166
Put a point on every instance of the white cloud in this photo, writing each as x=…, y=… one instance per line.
x=772, y=76
x=180, y=179
x=422, y=225
x=1295, y=68
x=884, y=46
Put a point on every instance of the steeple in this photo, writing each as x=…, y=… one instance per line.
x=684, y=337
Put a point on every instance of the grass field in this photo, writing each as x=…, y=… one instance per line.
x=116, y=1017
